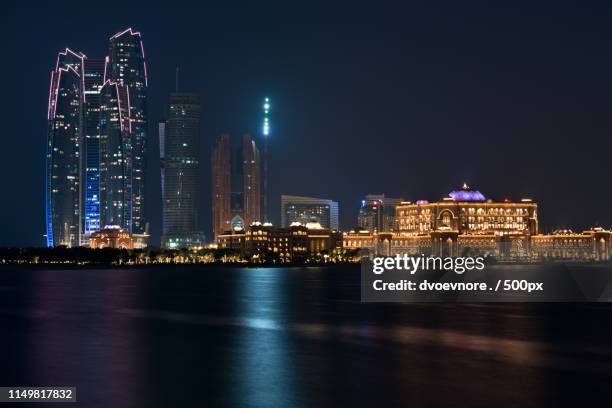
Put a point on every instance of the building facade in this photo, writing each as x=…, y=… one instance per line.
x=94, y=80
x=221, y=185
x=127, y=70
x=296, y=243
x=236, y=197
x=96, y=142
x=111, y=237
x=467, y=224
x=467, y=211
x=304, y=210
x=180, y=161
x=371, y=214
x=64, y=136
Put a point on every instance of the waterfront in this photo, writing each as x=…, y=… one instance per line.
x=288, y=337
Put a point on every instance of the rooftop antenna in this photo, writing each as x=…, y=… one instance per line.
x=177, y=79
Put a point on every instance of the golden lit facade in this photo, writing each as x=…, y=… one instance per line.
x=467, y=224
x=467, y=211
x=111, y=237
x=295, y=243
x=594, y=244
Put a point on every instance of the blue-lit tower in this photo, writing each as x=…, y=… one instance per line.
x=94, y=80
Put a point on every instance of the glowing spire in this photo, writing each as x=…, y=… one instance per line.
x=266, y=122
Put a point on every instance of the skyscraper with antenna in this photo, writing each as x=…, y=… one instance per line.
x=266, y=135
x=180, y=170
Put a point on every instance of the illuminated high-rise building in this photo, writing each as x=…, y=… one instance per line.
x=180, y=157
x=251, y=168
x=94, y=79
x=123, y=134
x=115, y=157
x=65, y=131
x=235, y=181
x=221, y=185
x=378, y=213
x=96, y=143
x=371, y=215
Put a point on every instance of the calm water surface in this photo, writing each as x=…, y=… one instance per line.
x=289, y=337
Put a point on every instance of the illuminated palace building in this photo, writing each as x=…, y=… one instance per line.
x=235, y=184
x=97, y=119
x=467, y=223
x=468, y=212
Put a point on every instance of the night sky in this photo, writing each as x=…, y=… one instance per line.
x=404, y=99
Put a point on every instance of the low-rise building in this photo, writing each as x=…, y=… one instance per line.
x=111, y=237
x=466, y=223
x=296, y=243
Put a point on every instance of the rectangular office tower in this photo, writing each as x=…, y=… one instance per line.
x=180, y=159
x=94, y=80
x=307, y=210
x=235, y=184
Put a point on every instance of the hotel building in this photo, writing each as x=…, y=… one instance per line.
x=111, y=237
x=236, y=195
x=467, y=211
x=304, y=210
x=467, y=224
x=296, y=243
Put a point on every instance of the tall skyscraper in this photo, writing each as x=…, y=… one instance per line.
x=180, y=158
x=115, y=157
x=235, y=180
x=96, y=142
x=94, y=79
x=65, y=129
x=123, y=134
x=221, y=185
x=251, y=170
x=309, y=210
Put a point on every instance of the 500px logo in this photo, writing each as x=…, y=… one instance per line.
x=413, y=264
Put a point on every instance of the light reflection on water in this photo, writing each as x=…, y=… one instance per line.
x=288, y=337
x=264, y=374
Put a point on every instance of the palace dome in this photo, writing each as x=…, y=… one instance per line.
x=466, y=194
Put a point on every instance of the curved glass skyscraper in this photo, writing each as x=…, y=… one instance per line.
x=123, y=134
x=96, y=142
x=63, y=179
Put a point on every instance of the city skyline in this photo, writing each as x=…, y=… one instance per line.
x=553, y=115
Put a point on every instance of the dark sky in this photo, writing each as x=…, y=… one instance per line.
x=408, y=99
